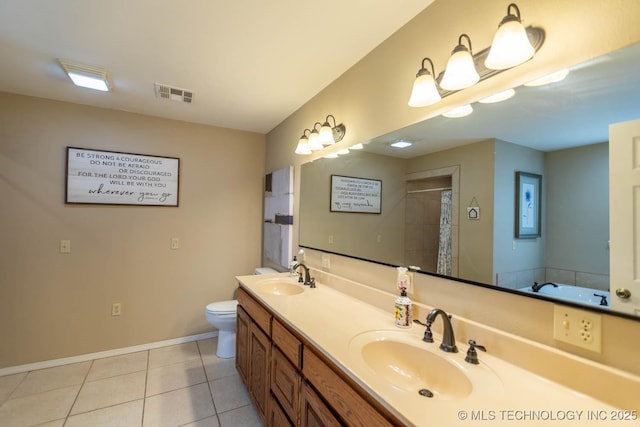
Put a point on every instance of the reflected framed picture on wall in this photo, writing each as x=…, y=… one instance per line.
x=528, y=208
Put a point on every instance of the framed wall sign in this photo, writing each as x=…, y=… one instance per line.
x=360, y=195
x=114, y=178
x=528, y=208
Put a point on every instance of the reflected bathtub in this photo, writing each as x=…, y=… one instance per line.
x=574, y=293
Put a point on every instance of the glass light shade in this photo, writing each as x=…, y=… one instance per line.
x=314, y=141
x=461, y=111
x=424, y=91
x=460, y=72
x=331, y=156
x=303, y=146
x=401, y=144
x=498, y=97
x=357, y=146
x=343, y=151
x=326, y=134
x=510, y=46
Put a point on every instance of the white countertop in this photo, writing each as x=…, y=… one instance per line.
x=503, y=394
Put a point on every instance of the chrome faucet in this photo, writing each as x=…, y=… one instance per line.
x=448, y=338
x=308, y=280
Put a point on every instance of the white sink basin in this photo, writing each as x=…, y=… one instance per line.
x=403, y=362
x=280, y=287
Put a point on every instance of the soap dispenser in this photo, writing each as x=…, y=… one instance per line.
x=403, y=309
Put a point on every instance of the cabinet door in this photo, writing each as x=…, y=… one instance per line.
x=243, y=328
x=314, y=413
x=259, y=372
x=277, y=417
x=285, y=383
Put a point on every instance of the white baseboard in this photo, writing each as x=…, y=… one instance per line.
x=102, y=354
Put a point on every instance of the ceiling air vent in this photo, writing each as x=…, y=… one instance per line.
x=174, y=93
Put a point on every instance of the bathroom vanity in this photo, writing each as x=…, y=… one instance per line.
x=323, y=357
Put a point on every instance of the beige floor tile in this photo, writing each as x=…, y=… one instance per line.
x=109, y=392
x=207, y=422
x=214, y=366
x=52, y=378
x=173, y=377
x=229, y=393
x=173, y=354
x=118, y=365
x=38, y=408
x=178, y=407
x=124, y=415
x=245, y=416
x=56, y=423
x=8, y=384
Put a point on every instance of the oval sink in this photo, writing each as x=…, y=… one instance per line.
x=279, y=287
x=412, y=368
x=401, y=362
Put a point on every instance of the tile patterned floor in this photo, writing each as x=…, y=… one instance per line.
x=180, y=385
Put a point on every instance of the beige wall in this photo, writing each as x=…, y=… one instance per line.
x=57, y=305
x=371, y=100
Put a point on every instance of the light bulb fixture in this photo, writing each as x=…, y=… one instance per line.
x=424, y=90
x=401, y=144
x=357, y=146
x=461, y=111
x=314, y=139
x=303, y=144
x=498, y=97
x=87, y=76
x=461, y=71
x=342, y=152
x=511, y=45
x=328, y=135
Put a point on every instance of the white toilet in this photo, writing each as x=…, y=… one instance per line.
x=222, y=315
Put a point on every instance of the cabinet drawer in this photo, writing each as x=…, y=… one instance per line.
x=344, y=400
x=285, y=383
x=288, y=343
x=260, y=316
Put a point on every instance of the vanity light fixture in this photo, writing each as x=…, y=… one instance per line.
x=327, y=136
x=498, y=97
x=549, y=78
x=461, y=111
x=461, y=71
x=511, y=45
x=303, y=144
x=424, y=90
x=87, y=76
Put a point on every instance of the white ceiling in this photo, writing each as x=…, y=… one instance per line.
x=250, y=63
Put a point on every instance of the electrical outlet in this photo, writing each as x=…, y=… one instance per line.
x=326, y=261
x=116, y=309
x=578, y=327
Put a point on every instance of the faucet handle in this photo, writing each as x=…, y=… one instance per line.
x=472, y=354
x=313, y=282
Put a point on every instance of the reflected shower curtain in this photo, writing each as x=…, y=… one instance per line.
x=444, y=250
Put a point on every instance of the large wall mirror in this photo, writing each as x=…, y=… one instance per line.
x=449, y=200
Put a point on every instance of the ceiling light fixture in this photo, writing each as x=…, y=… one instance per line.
x=317, y=140
x=87, y=76
x=401, y=144
x=498, y=97
x=424, y=90
x=461, y=71
x=511, y=45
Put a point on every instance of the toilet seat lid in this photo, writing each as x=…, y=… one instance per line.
x=223, y=306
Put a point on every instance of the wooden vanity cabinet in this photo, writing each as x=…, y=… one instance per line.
x=289, y=382
x=253, y=350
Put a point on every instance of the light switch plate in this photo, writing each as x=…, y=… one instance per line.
x=65, y=246
x=175, y=243
x=326, y=261
x=581, y=328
